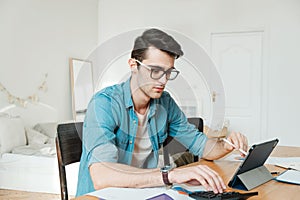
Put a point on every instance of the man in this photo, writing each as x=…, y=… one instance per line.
x=126, y=124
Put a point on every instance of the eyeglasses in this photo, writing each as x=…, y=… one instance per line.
x=157, y=72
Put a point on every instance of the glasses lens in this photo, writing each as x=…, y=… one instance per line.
x=172, y=75
x=157, y=73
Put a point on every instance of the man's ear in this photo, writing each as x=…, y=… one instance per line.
x=132, y=64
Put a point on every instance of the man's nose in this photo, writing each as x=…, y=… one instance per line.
x=163, y=79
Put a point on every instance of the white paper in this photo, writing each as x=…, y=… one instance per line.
x=189, y=187
x=135, y=193
x=289, y=176
x=285, y=162
x=127, y=193
x=234, y=157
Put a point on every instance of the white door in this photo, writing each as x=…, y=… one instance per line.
x=238, y=57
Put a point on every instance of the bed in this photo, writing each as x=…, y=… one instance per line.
x=28, y=159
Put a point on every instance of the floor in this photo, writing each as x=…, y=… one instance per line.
x=22, y=195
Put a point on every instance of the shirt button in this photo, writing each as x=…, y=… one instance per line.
x=134, y=122
x=130, y=141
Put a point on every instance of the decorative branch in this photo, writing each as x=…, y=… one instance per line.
x=34, y=98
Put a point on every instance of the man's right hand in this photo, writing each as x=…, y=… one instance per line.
x=198, y=175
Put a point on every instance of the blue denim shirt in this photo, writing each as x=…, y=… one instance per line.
x=110, y=128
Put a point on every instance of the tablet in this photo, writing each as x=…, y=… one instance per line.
x=256, y=157
x=161, y=197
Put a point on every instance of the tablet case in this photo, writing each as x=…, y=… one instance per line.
x=252, y=171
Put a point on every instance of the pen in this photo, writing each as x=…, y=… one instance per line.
x=241, y=150
x=276, y=173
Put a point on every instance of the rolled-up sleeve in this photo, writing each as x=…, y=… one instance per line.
x=104, y=153
x=198, y=144
x=98, y=131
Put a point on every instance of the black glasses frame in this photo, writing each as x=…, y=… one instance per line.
x=158, y=68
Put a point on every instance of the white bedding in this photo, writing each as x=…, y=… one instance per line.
x=36, y=150
x=34, y=173
x=28, y=159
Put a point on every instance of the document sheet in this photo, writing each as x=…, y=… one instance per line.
x=289, y=176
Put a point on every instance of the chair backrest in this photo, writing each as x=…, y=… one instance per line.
x=171, y=146
x=68, y=148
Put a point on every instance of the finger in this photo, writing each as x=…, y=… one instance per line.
x=191, y=176
x=218, y=180
x=212, y=178
x=213, y=182
x=231, y=144
x=240, y=141
x=202, y=182
x=237, y=140
x=243, y=142
x=193, y=182
x=228, y=146
x=198, y=177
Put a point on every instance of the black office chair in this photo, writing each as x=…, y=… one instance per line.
x=171, y=146
x=68, y=148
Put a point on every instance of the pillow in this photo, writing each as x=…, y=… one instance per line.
x=35, y=137
x=12, y=133
x=48, y=129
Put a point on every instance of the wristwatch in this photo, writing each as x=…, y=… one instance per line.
x=165, y=171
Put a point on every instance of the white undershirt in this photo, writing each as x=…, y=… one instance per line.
x=142, y=143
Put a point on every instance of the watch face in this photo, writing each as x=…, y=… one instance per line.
x=166, y=168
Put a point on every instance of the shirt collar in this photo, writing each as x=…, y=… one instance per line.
x=129, y=102
x=127, y=94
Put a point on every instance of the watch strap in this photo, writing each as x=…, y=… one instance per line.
x=165, y=176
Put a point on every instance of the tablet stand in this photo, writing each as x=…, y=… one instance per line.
x=252, y=178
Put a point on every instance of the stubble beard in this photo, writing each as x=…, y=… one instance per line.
x=148, y=90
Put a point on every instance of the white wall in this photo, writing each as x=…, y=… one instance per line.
x=197, y=19
x=38, y=37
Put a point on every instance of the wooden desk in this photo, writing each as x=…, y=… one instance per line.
x=271, y=190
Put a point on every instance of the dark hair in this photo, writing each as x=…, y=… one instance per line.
x=158, y=39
